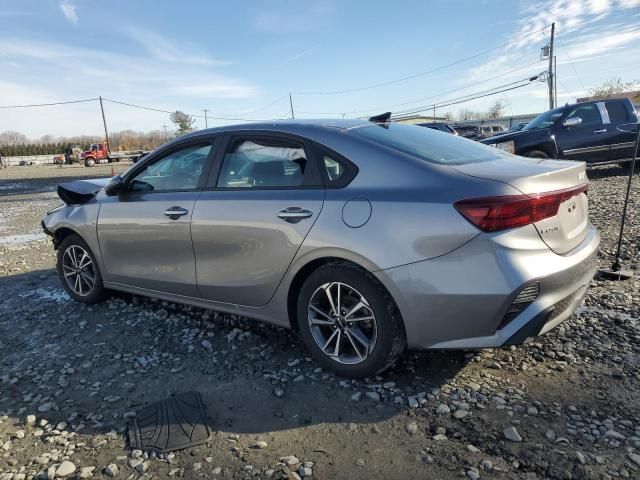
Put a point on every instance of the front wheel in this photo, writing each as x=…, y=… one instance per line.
x=349, y=322
x=89, y=162
x=79, y=271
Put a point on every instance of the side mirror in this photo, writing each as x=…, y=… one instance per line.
x=114, y=186
x=572, y=122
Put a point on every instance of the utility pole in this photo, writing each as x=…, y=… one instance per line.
x=550, y=75
x=291, y=105
x=104, y=122
x=555, y=80
x=206, y=125
x=166, y=136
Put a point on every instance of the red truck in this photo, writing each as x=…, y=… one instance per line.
x=99, y=153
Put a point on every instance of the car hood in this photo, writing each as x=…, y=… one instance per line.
x=503, y=137
x=81, y=191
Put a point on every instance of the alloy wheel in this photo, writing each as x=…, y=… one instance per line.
x=342, y=323
x=78, y=269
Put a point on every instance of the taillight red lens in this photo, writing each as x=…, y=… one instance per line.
x=491, y=214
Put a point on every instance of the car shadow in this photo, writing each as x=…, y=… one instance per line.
x=92, y=369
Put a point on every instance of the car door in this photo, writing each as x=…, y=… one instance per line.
x=622, y=130
x=587, y=139
x=144, y=231
x=263, y=197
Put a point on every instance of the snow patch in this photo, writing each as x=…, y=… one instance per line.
x=22, y=239
x=57, y=295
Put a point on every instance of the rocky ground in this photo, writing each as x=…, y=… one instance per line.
x=564, y=406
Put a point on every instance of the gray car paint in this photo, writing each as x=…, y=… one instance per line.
x=451, y=282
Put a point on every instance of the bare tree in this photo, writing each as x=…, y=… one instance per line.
x=468, y=114
x=497, y=108
x=11, y=137
x=613, y=87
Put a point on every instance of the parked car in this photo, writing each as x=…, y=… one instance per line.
x=471, y=132
x=487, y=131
x=441, y=126
x=595, y=132
x=517, y=127
x=366, y=238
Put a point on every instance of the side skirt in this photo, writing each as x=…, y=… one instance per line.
x=258, y=313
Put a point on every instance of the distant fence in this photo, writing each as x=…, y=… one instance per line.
x=29, y=159
x=506, y=122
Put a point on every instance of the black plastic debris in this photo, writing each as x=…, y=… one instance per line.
x=171, y=424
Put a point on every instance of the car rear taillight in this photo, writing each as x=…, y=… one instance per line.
x=491, y=214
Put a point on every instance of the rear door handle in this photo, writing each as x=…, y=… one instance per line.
x=602, y=130
x=174, y=213
x=294, y=214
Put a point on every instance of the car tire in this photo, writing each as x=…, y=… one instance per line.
x=383, y=332
x=89, y=162
x=79, y=272
x=536, y=154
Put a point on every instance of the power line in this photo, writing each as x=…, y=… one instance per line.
x=170, y=112
x=269, y=105
x=574, y=67
x=49, y=104
x=415, y=100
x=466, y=98
x=410, y=77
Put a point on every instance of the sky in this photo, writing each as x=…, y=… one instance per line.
x=241, y=60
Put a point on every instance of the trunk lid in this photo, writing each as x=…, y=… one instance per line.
x=562, y=232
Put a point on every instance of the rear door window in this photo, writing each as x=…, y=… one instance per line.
x=268, y=162
x=617, y=112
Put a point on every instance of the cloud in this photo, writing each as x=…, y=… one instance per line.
x=165, y=50
x=296, y=18
x=69, y=11
x=580, y=34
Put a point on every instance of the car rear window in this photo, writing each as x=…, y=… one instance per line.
x=427, y=144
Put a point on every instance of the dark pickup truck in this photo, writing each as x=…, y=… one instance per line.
x=600, y=131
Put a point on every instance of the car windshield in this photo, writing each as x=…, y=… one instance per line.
x=544, y=120
x=428, y=144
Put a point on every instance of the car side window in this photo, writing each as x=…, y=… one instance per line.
x=263, y=163
x=179, y=170
x=588, y=113
x=334, y=168
x=617, y=112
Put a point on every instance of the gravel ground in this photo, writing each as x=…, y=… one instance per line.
x=564, y=406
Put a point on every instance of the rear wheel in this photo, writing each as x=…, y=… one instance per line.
x=349, y=322
x=536, y=154
x=79, y=272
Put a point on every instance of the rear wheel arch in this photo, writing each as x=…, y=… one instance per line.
x=303, y=273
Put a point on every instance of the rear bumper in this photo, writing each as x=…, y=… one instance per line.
x=460, y=300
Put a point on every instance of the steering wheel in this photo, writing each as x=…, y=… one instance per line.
x=184, y=180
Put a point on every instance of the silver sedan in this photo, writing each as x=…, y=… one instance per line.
x=366, y=238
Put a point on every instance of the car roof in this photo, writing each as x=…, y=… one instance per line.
x=287, y=126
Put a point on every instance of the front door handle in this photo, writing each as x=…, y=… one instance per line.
x=294, y=214
x=602, y=130
x=174, y=213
